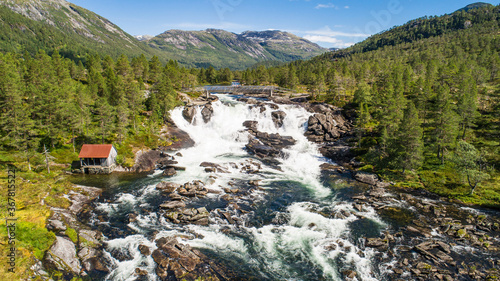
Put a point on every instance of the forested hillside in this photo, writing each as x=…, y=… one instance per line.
x=72, y=30
x=219, y=48
x=421, y=93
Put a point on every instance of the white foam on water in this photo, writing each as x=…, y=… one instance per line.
x=307, y=235
x=125, y=270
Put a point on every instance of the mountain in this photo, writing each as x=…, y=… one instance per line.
x=475, y=6
x=427, y=27
x=57, y=24
x=221, y=48
x=33, y=25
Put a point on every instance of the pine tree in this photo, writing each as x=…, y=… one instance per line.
x=470, y=164
x=446, y=123
x=467, y=104
x=409, y=144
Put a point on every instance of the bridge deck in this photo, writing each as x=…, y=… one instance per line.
x=243, y=89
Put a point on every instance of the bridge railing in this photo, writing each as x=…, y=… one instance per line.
x=244, y=89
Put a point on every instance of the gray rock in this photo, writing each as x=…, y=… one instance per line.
x=188, y=113
x=62, y=256
x=173, y=205
x=56, y=225
x=167, y=187
x=144, y=250
x=367, y=178
x=170, y=172
x=207, y=112
x=278, y=118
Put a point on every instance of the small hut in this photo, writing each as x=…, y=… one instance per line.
x=97, y=158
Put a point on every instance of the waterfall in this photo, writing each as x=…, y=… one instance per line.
x=291, y=230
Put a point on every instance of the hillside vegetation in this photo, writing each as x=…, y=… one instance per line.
x=29, y=26
x=420, y=93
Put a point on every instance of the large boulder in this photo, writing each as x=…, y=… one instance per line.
x=167, y=187
x=169, y=172
x=62, y=257
x=278, y=117
x=367, y=178
x=188, y=113
x=207, y=112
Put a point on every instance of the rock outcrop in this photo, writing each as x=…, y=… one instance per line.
x=207, y=112
x=188, y=113
x=177, y=261
x=265, y=145
x=278, y=118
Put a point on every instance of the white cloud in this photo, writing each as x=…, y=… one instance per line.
x=346, y=7
x=327, y=31
x=325, y=6
x=331, y=40
x=201, y=26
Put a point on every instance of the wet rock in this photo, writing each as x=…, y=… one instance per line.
x=251, y=125
x=144, y=250
x=177, y=261
x=173, y=205
x=349, y=274
x=141, y=272
x=254, y=182
x=163, y=164
x=170, y=172
x=227, y=216
x=175, y=197
x=189, y=216
x=376, y=243
x=188, y=113
x=167, y=187
x=278, y=117
x=207, y=112
x=212, y=168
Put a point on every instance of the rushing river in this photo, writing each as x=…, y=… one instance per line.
x=287, y=229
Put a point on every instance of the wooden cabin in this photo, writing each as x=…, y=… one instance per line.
x=97, y=158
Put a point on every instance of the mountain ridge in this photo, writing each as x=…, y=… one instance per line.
x=75, y=31
x=246, y=48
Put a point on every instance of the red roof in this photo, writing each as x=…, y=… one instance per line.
x=95, y=151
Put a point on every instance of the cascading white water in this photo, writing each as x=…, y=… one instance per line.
x=306, y=236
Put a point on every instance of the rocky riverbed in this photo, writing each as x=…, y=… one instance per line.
x=422, y=237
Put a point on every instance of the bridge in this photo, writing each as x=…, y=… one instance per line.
x=269, y=90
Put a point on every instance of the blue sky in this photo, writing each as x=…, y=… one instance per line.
x=329, y=23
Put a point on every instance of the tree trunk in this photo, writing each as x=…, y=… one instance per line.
x=102, y=130
x=46, y=158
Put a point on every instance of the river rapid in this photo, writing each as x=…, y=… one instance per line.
x=298, y=224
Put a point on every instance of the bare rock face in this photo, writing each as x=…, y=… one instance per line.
x=62, y=257
x=327, y=124
x=176, y=261
x=167, y=187
x=188, y=113
x=207, y=112
x=278, y=117
x=170, y=172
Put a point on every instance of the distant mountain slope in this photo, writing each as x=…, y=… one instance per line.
x=475, y=6
x=427, y=27
x=31, y=25
x=221, y=48
x=49, y=24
